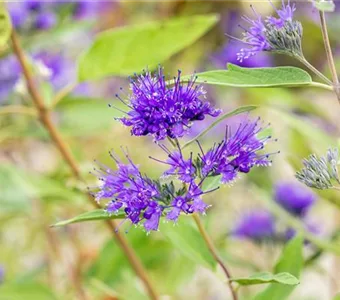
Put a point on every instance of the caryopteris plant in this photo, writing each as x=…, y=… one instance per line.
x=174, y=115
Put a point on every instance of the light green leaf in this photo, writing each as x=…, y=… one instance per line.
x=235, y=112
x=18, y=188
x=265, y=277
x=211, y=183
x=186, y=238
x=83, y=116
x=255, y=77
x=324, y=5
x=5, y=25
x=291, y=261
x=126, y=50
x=95, y=215
x=27, y=291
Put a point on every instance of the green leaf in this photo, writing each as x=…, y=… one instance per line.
x=126, y=50
x=291, y=261
x=255, y=77
x=5, y=25
x=83, y=116
x=324, y=5
x=235, y=112
x=265, y=277
x=186, y=238
x=27, y=291
x=18, y=188
x=211, y=182
x=95, y=215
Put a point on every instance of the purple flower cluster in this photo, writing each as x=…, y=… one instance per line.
x=238, y=152
x=144, y=200
x=294, y=197
x=256, y=225
x=163, y=111
x=256, y=35
x=53, y=67
x=43, y=15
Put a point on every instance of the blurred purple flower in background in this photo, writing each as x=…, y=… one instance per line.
x=9, y=76
x=163, y=111
x=256, y=225
x=294, y=197
x=2, y=274
x=89, y=9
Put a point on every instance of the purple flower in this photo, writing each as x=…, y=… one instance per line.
x=45, y=20
x=129, y=190
x=143, y=200
x=163, y=111
x=189, y=203
x=18, y=12
x=238, y=152
x=88, y=9
x=60, y=68
x=256, y=225
x=294, y=197
x=178, y=165
x=2, y=274
x=9, y=76
x=257, y=35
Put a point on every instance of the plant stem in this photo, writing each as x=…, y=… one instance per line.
x=329, y=54
x=214, y=253
x=313, y=69
x=45, y=118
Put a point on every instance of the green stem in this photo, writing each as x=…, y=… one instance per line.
x=313, y=69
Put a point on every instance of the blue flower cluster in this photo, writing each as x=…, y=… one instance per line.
x=144, y=200
x=256, y=38
x=165, y=110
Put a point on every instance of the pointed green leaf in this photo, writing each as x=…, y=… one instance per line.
x=186, y=238
x=291, y=261
x=255, y=77
x=235, y=112
x=130, y=49
x=265, y=277
x=95, y=215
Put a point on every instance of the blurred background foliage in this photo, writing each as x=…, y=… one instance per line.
x=37, y=189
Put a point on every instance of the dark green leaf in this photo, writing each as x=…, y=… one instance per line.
x=27, y=291
x=265, y=277
x=5, y=25
x=291, y=261
x=255, y=77
x=95, y=215
x=126, y=50
x=235, y=112
x=186, y=238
